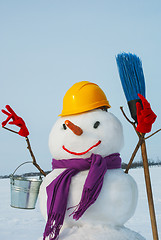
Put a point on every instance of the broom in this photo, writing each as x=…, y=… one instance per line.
x=132, y=79
x=133, y=82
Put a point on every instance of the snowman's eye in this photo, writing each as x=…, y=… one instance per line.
x=96, y=124
x=64, y=126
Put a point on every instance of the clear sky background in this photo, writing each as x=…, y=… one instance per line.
x=47, y=46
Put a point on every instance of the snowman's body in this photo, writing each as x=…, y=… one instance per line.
x=117, y=200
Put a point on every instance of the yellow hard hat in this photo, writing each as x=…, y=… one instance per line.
x=82, y=97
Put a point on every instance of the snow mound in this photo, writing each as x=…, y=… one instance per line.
x=99, y=232
x=89, y=232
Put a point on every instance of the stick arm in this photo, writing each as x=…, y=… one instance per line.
x=31, y=152
x=33, y=157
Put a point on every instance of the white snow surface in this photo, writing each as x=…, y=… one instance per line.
x=18, y=224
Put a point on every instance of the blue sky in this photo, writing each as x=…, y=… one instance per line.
x=47, y=46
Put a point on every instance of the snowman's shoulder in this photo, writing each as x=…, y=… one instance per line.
x=118, y=172
x=120, y=175
x=51, y=176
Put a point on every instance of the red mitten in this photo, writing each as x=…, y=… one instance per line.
x=145, y=116
x=18, y=121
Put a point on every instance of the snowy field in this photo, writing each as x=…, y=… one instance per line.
x=17, y=224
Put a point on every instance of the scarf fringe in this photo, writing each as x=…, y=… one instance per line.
x=86, y=201
x=53, y=227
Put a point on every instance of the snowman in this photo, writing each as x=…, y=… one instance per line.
x=87, y=195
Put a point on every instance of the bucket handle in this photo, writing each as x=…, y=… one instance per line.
x=20, y=166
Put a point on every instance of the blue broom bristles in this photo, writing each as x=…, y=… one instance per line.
x=131, y=75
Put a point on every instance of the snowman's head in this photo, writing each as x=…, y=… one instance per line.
x=80, y=135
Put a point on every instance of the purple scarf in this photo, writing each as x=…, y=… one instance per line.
x=58, y=189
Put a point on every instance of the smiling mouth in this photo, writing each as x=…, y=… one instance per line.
x=82, y=153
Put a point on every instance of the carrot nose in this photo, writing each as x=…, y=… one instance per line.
x=75, y=129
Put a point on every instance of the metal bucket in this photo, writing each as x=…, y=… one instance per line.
x=24, y=190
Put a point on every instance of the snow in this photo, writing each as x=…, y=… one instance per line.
x=17, y=224
x=141, y=220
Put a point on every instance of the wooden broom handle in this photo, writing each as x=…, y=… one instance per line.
x=149, y=191
x=146, y=174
